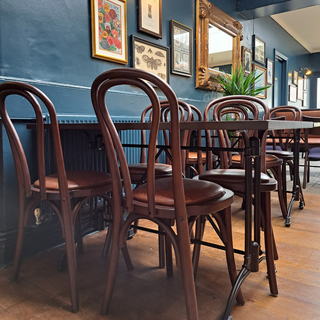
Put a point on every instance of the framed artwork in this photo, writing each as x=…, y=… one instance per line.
x=300, y=89
x=259, y=50
x=269, y=64
x=150, y=57
x=246, y=58
x=262, y=81
x=304, y=101
x=292, y=93
x=305, y=83
x=181, y=49
x=295, y=77
x=150, y=17
x=109, y=30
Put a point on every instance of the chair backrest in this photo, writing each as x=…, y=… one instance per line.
x=31, y=94
x=284, y=137
x=141, y=80
x=242, y=107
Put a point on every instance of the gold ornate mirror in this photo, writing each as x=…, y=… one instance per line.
x=218, y=45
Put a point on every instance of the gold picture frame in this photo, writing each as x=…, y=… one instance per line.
x=109, y=30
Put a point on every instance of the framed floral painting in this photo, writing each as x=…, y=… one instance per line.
x=109, y=30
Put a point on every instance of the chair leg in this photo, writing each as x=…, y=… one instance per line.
x=78, y=230
x=161, y=249
x=226, y=233
x=200, y=225
x=278, y=176
x=187, y=270
x=269, y=242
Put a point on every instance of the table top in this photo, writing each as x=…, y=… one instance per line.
x=261, y=125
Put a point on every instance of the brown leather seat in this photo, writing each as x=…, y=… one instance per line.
x=64, y=187
x=158, y=200
x=234, y=179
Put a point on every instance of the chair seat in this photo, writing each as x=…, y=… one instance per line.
x=285, y=155
x=193, y=155
x=160, y=168
x=195, y=192
x=234, y=179
x=80, y=179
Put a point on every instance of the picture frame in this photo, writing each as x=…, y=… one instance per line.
x=150, y=17
x=259, y=50
x=295, y=77
x=270, y=71
x=304, y=101
x=292, y=93
x=300, y=89
x=151, y=57
x=109, y=30
x=262, y=81
x=181, y=49
x=305, y=83
x=246, y=59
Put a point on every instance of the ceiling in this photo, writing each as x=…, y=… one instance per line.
x=303, y=25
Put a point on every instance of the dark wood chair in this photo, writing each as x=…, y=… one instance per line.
x=282, y=143
x=58, y=189
x=173, y=198
x=234, y=179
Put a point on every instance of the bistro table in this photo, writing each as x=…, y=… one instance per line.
x=252, y=150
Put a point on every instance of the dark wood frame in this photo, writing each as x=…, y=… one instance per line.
x=142, y=27
x=270, y=69
x=255, y=52
x=153, y=68
x=207, y=13
x=181, y=50
x=245, y=50
x=257, y=66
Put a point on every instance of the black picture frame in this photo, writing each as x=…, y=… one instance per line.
x=246, y=59
x=151, y=57
x=259, y=50
x=181, y=38
x=150, y=17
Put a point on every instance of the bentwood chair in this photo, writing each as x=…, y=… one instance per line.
x=174, y=198
x=282, y=142
x=234, y=179
x=58, y=189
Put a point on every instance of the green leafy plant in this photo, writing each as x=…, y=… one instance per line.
x=239, y=84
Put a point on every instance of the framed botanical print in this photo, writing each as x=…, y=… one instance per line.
x=304, y=101
x=151, y=57
x=269, y=71
x=295, y=77
x=305, y=83
x=300, y=89
x=246, y=58
x=181, y=49
x=150, y=17
x=109, y=30
x=259, y=50
x=262, y=81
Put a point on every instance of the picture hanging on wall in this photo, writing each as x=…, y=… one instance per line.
x=292, y=93
x=295, y=77
x=246, y=58
x=259, y=50
x=304, y=101
x=150, y=17
x=300, y=89
x=262, y=81
x=150, y=57
x=181, y=49
x=109, y=30
x=269, y=72
x=305, y=83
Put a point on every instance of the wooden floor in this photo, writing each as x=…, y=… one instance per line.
x=147, y=294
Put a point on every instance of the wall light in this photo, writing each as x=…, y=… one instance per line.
x=307, y=71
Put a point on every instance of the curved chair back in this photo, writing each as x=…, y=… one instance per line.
x=243, y=107
x=138, y=78
x=284, y=137
x=31, y=94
